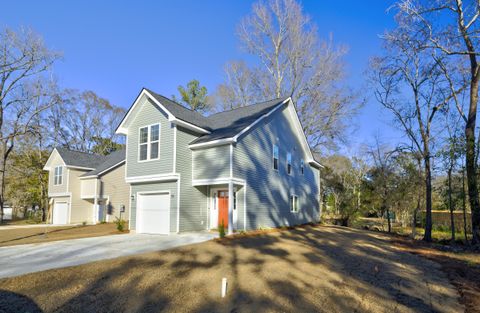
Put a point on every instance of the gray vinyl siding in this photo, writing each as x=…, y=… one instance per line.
x=268, y=190
x=193, y=200
x=163, y=186
x=149, y=113
x=212, y=162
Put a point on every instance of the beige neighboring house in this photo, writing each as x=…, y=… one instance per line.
x=86, y=187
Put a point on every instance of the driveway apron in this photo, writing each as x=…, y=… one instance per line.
x=29, y=258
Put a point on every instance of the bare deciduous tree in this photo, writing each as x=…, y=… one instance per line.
x=294, y=62
x=409, y=83
x=24, y=91
x=83, y=120
x=456, y=37
x=239, y=88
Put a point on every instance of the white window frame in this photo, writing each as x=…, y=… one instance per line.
x=302, y=167
x=289, y=163
x=149, y=142
x=58, y=176
x=273, y=157
x=294, y=207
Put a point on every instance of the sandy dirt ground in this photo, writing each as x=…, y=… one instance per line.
x=17, y=236
x=309, y=269
x=461, y=264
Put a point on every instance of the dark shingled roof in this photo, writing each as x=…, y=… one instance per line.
x=227, y=124
x=112, y=159
x=221, y=125
x=182, y=112
x=80, y=159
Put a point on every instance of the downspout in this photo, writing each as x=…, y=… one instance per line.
x=95, y=202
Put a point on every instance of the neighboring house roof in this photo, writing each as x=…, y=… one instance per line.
x=112, y=160
x=96, y=163
x=80, y=159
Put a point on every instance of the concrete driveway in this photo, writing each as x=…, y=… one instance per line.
x=29, y=258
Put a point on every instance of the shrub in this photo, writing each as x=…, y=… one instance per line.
x=221, y=230
x=84, y=223
x=120, y=224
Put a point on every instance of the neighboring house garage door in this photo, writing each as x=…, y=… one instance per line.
x=60, y=213
x=153, y=215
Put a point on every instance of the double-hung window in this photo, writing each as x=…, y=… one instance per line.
x=302, y=167
x=289, y=163
x=293, y=204
x=149, y=142
x=58, y=175
x=275, y=157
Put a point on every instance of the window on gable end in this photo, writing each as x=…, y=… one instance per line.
x=275, y=157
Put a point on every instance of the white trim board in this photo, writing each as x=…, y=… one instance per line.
x=218, y=181
x=152, y=178
x=59, y=194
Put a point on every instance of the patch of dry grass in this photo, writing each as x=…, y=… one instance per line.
x=17, y=236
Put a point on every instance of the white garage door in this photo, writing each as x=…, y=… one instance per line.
x=153, y=214
x=60, y=213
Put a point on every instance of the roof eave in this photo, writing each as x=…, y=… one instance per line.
x=88, y=177
x=225, y=141
x=79, y=167
x=122, y=128
x=316, y=164
x=189, y=126
x=213, y=143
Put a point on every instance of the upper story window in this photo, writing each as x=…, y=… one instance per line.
x=293, y=203
x=275, y=157
x=302, y=166
x=149, y=142
x=58, y=176
x=289, y=163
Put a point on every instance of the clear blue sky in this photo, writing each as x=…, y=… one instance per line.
x=114, y=48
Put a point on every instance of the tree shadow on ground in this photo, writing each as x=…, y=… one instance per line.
x=11, y=302
x=310, y=269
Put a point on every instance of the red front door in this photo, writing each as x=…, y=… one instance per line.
x=223, y=208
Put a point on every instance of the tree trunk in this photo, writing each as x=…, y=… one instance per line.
x=428, y=201
x=470, y=157
x=414, y=220
x=389, y=222
x=450, y=204
x=464, y=200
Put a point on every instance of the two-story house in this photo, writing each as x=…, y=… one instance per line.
x=247, y=168
x=87, y=187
